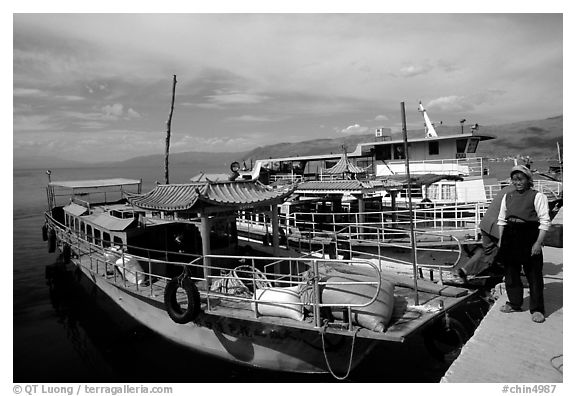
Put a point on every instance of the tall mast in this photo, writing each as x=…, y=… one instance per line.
x=168, y=130
x=428, y=126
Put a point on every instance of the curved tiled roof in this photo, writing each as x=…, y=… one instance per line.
x=344, y=166
x=240, y=194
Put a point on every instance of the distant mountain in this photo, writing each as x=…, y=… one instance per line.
x=535, y=138
x=205, y=162
x=41, y=162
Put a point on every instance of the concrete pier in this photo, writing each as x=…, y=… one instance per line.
x=512, y=348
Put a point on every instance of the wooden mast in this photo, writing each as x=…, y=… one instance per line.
x=168, y=130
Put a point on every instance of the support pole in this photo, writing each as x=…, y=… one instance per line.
x=168, y=131
x=410, y=216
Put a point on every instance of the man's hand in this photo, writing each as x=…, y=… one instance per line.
x=536, y=249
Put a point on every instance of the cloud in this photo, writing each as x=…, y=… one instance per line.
x=116, y=112
x=414, y=70
x=381, y=117
x=354, y=130
x=250, y=118
x=223, y=99
x=455, y=103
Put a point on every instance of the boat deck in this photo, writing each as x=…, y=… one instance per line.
x=512, y=348
x=407, y=317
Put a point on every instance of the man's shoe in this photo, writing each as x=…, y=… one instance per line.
x=538, y=317
x=507, y=308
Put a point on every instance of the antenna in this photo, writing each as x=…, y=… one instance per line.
x=428, y=126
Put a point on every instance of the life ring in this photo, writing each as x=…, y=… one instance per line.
x=52, y=241
x=173, y=308
x=44, y=232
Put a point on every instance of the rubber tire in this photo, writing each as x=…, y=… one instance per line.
x=44, y=232
x=176, y=313
x=456, y=330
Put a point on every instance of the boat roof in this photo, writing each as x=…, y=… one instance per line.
x=335, y=187
x=193, y=196
x=359, y=151
x=94, y=183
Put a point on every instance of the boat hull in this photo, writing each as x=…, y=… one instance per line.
x=245, y=342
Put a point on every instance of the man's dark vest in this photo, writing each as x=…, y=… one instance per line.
x=522, y=205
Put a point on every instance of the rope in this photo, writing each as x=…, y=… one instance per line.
x=558, y=367
x=326, y=356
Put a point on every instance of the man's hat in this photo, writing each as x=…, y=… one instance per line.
x=523, y=169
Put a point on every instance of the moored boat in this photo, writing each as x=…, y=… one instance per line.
x=171, y=259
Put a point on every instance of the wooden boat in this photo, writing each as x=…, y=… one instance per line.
x=171, y=259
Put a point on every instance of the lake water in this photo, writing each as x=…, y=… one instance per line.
x=72, y=333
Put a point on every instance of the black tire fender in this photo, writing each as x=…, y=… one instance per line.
x=453, y=334
x=173, y=308
x=44, y=232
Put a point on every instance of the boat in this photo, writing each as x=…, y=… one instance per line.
x=171, y=258
x=360, y=198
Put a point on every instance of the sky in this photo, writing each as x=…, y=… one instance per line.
x=98, y=86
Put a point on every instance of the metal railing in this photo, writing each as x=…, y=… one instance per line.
x=287, y=270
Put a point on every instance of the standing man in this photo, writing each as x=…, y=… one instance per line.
x=523, y=221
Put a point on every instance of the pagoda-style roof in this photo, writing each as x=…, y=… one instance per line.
x=195, y=196
x=344, y=166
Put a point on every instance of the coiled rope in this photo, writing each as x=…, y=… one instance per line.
x=326, y=356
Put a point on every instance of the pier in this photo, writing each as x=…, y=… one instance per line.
x=512, y=348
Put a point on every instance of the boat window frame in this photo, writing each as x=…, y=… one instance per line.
x=436, y=145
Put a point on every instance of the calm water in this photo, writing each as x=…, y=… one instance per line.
x=69, y=332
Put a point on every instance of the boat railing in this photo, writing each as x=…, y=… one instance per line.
x=313, y=279
x=460, y=219
x=280, y=272
x=550, y=188
x=382, y=239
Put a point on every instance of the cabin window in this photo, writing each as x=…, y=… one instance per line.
x=399, y=151
x=97, y=237
x=433, y=148
x=82, y=228
x=382, y=153
x=449, y=192
x=461, y=148
x=105, y=239
x=472, y=145
x=89, y=233
x=118, y=241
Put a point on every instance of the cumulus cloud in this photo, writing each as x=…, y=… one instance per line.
x=381, y=117
x=414, y=70
x=464, y=103
x=116, y=112
x=354, y=130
